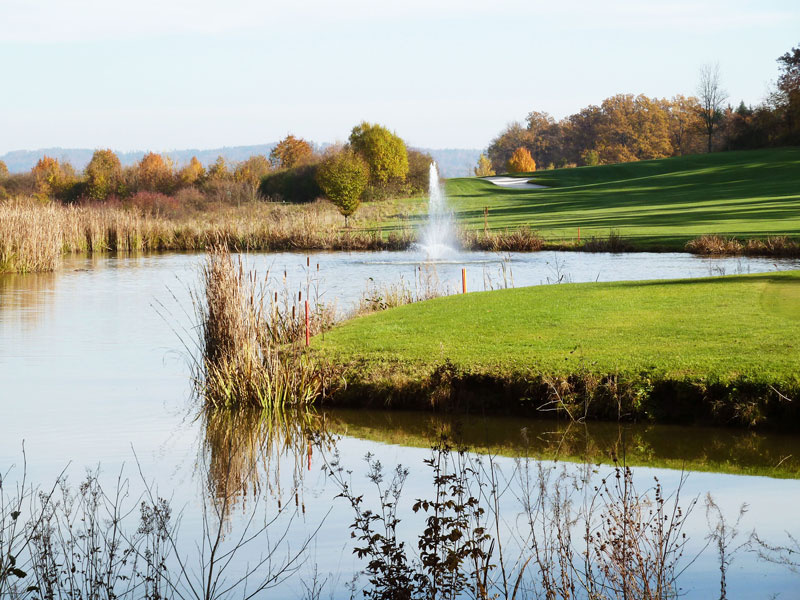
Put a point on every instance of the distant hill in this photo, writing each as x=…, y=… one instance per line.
x=453, y=162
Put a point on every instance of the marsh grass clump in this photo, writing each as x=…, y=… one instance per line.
x=523, y=239
x=252, y=349
x=714, y=244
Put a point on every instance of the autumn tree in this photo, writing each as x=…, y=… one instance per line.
x=192, y=173
x=712, y=98
x=218, y=170
x=290, y=152
x=3, y=170
x=484, y=168
x=252, y=170
x=154, y=173
x=103, y=175
x=503, y=146
x=521, y=162
x=49, y=177
x=684, y=124
x=384, y=152
x=343, y=176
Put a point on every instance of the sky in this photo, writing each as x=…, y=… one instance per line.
x=171, y=74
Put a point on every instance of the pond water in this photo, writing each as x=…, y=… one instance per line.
x=93, y=369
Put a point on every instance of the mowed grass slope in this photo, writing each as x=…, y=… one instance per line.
x=652, y=204
x=714, y=329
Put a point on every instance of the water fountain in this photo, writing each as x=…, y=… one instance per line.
x=438, y=239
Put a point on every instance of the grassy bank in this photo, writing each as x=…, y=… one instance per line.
x=721, y=350
x=656, y=204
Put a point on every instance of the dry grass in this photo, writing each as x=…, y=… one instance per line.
x=715, y=245
x=33, y=236
x=523, y=239
x=252, y=347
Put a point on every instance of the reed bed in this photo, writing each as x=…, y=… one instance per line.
x=715, y=245
x=33, y=236
x=523, y=239
x=251, y=343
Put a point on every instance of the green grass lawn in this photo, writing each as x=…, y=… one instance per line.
x=729, y=331
x=653, y=204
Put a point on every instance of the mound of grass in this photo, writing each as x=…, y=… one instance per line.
x=720, y=349
x=655, y=204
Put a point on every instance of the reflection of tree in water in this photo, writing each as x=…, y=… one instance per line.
x=248, y=451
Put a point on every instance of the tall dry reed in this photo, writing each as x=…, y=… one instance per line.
x=252, y=351
x=33, y=236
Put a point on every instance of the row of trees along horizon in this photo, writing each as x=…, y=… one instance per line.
x=625, y=128
x=374, y=164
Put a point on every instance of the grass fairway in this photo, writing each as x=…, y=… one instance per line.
x=731, y=332
x=655, y=204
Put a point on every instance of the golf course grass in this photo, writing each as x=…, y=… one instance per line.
x=721, y=350
x=653, y=205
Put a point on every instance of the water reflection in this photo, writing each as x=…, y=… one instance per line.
x=247, y=452
x=664, y=446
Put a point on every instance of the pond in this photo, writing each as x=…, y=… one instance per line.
x=94, y=371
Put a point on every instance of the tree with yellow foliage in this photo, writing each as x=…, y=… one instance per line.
x=521, y=161
x=218, y=170
x=191, y=173
x=53, y=179
x=103, y=175
x=484, y=168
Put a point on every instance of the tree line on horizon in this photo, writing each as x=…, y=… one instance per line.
x=375, y=163
x=627, y=127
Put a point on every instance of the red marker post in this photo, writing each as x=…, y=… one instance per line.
x=308, y=333
x=463, y=281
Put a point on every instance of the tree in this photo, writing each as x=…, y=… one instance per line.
x=103, y=175
x=290, y=152
x=52, y=179
x=712, y=98
x=3, y=170
x=419, y=164
x=191, y=173
x=218, y=170
x=684, y=124
x=788, y=95
x=590, y=158
x=521, y=162
x=484, y=168
x=343, y=177
x=503, y=146
x=252, y=170
x=154, y=173
x=384, y=152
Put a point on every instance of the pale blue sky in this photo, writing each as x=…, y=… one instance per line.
x=166, y=74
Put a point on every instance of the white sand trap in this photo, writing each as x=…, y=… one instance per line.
x=513, y=182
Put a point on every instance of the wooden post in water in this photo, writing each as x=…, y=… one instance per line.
x=308, y=334
x=463, y=281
